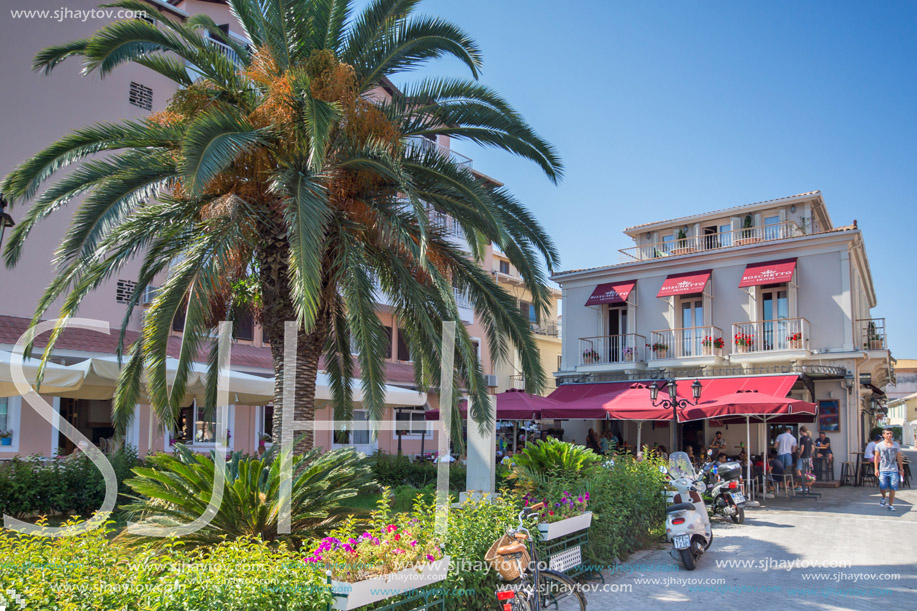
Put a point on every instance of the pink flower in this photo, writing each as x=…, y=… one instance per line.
x=413, y=543
x=430, y=558
x=397, y=551
x=391, y=528
x=397, y=537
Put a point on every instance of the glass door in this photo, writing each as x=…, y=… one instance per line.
x=357, y=435
x=775, y=310
x=692, y=322
x=617, y=334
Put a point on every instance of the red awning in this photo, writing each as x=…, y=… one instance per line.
x=582, y=401
x=611, y=292
x=770, y=272
x=511, y=405
x=684, y=284
x=714, y=388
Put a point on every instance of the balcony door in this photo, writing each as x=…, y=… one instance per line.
x=692, y=323
x=617, y=333
x=775, y=310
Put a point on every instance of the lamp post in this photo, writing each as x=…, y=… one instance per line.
x=5, y=220
x=674, y=402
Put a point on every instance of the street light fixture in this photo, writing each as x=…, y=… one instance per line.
x=673, y=401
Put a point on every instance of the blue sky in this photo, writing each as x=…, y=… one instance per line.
x=661, y=109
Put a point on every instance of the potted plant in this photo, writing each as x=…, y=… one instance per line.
x=748, y=232
x=744, y=342
x=590, y=356
x=564, y=516
x=795, y=340
x=660, y=350
x=681, y=244
x=712, y=345
x=396, y=555
x=873, y=337
x=6, y=438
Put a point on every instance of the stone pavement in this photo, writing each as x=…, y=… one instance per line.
x=842, y=551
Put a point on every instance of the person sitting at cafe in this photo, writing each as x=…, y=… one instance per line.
x=871, y=448
x=823, y=448
x=721, y=457
x=774, y=467
x=718, y=442
x=743, y=458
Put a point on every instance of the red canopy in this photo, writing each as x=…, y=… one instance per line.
x=583, y=401
x=752, y=404
x=684, y=284
x=635, y=403
x=769, y=272
x=511, y=405
x=611, y=292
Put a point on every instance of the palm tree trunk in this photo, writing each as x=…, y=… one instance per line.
x=277, y=310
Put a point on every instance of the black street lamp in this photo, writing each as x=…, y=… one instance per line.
x=673, y=401
x=5, y=220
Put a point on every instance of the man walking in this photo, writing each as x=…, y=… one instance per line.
x=889, y=467
x=786, y=443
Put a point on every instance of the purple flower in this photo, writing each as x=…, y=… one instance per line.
x=430, y=558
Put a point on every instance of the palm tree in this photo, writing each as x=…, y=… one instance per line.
x=277, y=168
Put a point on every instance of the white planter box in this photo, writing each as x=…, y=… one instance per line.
x=565, y=527
x=352, y=595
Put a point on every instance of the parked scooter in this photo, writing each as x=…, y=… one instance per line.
x=687, y=525
x=723, y=481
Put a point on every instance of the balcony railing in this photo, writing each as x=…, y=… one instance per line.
x=686, y=342
x=770, y=335
x=872, y=333
x=612, y=349
x=225, y=50
x=546, y=328
x=428, y=145
x=462, y=300
x=716, y=241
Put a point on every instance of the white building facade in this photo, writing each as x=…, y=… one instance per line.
x=756, y=291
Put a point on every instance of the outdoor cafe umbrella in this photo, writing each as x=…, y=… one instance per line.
x=751, y=404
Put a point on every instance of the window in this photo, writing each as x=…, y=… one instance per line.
x=504, y=267
x=267, y=423
x=178, y=323
x=9, y=423
x=357, y=433
x=193, y=427
x=725, y=235
x=775, y=309
x=388, y=350
x=667, y=242
x=772, y=228
x=692, y=322
x=529, y=311
x=403, y=353
x=244, y=326
x=141, y=96
x=558, y=362
x=411, y=422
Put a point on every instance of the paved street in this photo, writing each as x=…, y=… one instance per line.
x=842, y=551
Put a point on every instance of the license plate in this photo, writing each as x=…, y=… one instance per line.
x=682, y=541
x=738, y=497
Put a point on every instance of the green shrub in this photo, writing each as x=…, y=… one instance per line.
x=176, y=490
x=548, y=460
x=628, y=508
x=90, y=572
x=69, y=485
x=392, y=471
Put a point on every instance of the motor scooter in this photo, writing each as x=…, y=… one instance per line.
x=687, y=524
x=722, y=479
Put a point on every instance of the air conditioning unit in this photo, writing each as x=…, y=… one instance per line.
x=149, y=293
x=491, y=380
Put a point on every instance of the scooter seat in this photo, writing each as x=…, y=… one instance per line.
x=679, y=507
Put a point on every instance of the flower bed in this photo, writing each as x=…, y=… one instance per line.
x=563, y=517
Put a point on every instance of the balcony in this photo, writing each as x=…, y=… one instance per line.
x=717, y=241
x=426, y=145
x=547, y=328
x=872, y=333
x=465, y=307
x=687, y=343
x=763, y=337
x=225, y=50
x=613, y=349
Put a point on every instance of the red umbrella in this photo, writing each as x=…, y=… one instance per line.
x=750, y=405
x=635, y=403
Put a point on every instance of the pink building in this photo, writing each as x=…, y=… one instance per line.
x=41, y=111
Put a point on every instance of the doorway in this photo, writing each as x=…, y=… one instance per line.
x=357, y=435
x=691, y=434
x=692, y=322
x=775, y=310
x=617, y=333
x=91, y=418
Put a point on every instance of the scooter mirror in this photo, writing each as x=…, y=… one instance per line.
x=662, y=469
x=701, y=487
x=709, y=452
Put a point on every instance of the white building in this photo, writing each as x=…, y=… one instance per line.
x=787, y=294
